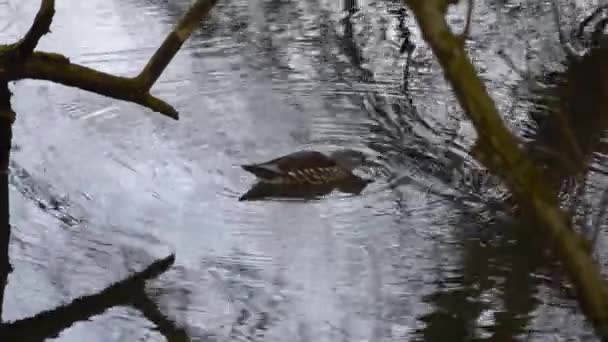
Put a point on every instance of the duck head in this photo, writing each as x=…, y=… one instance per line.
x=348, y=159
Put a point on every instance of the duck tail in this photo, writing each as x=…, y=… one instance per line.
x=257, y=192
x=260, y=171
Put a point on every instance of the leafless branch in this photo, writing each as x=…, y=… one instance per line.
x=467, y=26
x=500, y=151
x=511, y=64
x=40, y=27
x=173, y=42
x=59, y=69
x=166, y=327
x=596, y=13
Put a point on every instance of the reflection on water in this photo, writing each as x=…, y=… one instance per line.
x=264, y=190
x=102, y=187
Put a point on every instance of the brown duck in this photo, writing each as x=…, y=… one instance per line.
x=309, y=168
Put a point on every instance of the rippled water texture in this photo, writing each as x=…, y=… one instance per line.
x=101, y=187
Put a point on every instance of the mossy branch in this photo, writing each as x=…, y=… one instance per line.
x=58, y=68
x=173, y=42
x=500, y=151
x=27, y=63
x=40, y=27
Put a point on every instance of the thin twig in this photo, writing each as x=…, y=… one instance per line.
x=171, y=331
x=511, y=64
x=591, y=17
x=570, y=136
x=467, y=27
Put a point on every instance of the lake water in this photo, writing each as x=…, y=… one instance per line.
x=102, y=187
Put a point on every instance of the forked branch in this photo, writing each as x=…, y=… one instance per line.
x=57, y=68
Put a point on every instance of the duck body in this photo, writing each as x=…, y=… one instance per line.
x=303, y=167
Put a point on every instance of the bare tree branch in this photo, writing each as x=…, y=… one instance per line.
x=20, y=61
x=173, y=42
x=40, y=27
x=467, y=26
x=7, y=117
x=499, y=150
x=48, y=324
x=58, y=68
x=170, y=330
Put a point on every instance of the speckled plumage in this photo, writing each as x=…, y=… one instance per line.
x=304, y=167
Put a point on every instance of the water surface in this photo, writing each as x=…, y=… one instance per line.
x=258, y=80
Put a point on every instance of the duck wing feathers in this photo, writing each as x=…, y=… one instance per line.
x=282, y=166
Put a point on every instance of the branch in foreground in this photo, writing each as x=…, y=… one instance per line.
x=7, y=117
x=40, y=27
x=166, y=327
x=165, y=53
x=57, y=68
x=50, y=323
x=499, y=151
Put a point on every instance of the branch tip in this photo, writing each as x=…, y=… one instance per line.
x=41, y=26
x=58, y=68
x=174, y=41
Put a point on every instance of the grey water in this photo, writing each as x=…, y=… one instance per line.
x=101, y=187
